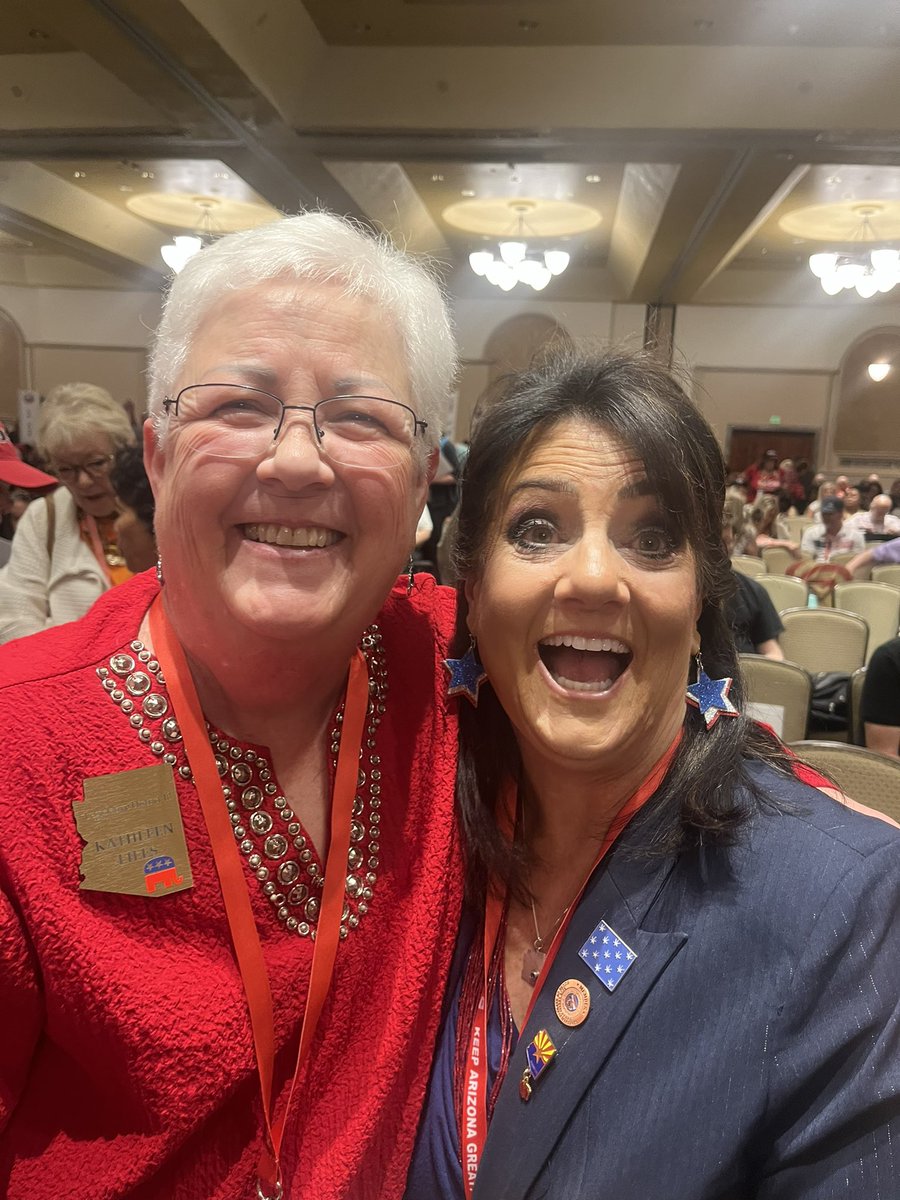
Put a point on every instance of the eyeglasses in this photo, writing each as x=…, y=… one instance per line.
x=95, y=467
x=233, y=421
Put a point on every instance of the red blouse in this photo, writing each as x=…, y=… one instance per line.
x=126, y=1065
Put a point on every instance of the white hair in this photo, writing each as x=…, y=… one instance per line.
x=73, y=411
x=325, y=248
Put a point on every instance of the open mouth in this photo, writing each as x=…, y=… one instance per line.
x=584, y=664
x=307, y=537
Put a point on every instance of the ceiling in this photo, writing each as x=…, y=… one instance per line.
x=713, y=144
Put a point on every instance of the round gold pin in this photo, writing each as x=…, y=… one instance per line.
x=572, y=1002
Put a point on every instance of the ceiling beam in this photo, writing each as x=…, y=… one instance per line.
x=742, y=199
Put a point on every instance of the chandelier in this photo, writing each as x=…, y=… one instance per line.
x=178, y=253
x=868, y=271
x=516, y=262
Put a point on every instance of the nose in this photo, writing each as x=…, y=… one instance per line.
x=294, y=458
x=592, y=573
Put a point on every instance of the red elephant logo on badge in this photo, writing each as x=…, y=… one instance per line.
x=161, y=870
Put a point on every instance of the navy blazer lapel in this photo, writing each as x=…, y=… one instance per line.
x=522, y=1135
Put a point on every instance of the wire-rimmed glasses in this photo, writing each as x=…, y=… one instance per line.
x=230, y=420
x=95, y=467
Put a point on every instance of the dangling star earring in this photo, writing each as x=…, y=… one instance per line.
x=409, y=574
x=159, y=572
x=711, y=696
x=466, y=674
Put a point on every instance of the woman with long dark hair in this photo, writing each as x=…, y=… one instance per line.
x=681, y=966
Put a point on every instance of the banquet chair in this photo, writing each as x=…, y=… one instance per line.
x=878, y=603
x=824, y=639
x=776, y=558
x=784, y=591
x=844, y=557
x=854, y=701
x=795, y=526
x=887, y=573
x=870, y=778
x=748, y=565
x=780, y=686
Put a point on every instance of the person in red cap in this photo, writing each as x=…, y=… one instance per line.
x=15, y=473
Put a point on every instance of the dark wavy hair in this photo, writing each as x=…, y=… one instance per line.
x=643, y=406
x=130, y=483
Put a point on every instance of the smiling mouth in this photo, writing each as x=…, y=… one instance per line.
x=307, y=537
x=584, y=664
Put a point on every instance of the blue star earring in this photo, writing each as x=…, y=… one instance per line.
x=466, y=674
x=711, y=696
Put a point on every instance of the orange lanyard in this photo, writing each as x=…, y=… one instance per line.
x=93, y=532
x=473, y=1121
x=232, y=879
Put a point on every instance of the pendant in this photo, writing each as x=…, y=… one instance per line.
x=532, y=965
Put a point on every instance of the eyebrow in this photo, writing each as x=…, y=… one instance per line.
x=640, y=487
x=262, y=376
x=267, y=379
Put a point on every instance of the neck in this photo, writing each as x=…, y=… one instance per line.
x=569, y=811
x=259, y=689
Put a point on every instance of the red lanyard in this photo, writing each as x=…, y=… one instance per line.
x=473, y=1122
x=232, y=879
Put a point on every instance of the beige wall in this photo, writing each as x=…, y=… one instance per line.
x=751, y=398
x=119, y=370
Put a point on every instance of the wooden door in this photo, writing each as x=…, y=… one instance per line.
x=747, y=446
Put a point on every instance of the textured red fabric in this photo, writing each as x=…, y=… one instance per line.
x=126, y=1062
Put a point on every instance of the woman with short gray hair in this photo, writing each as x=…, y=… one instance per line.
x=64, y=555
x=241, y=995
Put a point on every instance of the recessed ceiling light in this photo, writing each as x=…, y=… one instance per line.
x=703, y=24
x=529, y=26
x=793, y=30
x=833, y=179
x=437, y=177
x=592, y=179
x=79, y=174
x=147, y=175
x=221, y=175
x=468, y=193
x=123, y=187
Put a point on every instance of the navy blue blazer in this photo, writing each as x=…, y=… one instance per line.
x=752, y=1050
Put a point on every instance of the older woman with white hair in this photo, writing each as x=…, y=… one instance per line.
x=228, y=861
x=64, y=554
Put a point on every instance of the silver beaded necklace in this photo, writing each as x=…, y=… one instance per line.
x=267, y=831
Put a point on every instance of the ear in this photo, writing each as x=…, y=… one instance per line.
x=154, y=458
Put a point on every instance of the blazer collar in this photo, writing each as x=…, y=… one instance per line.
x=522, y=1135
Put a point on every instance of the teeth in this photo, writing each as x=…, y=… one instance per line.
x=283, y=535
x=575, y=685
x=585, y=643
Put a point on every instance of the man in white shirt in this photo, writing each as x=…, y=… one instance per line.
x=878, y=519
x=831, y=536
